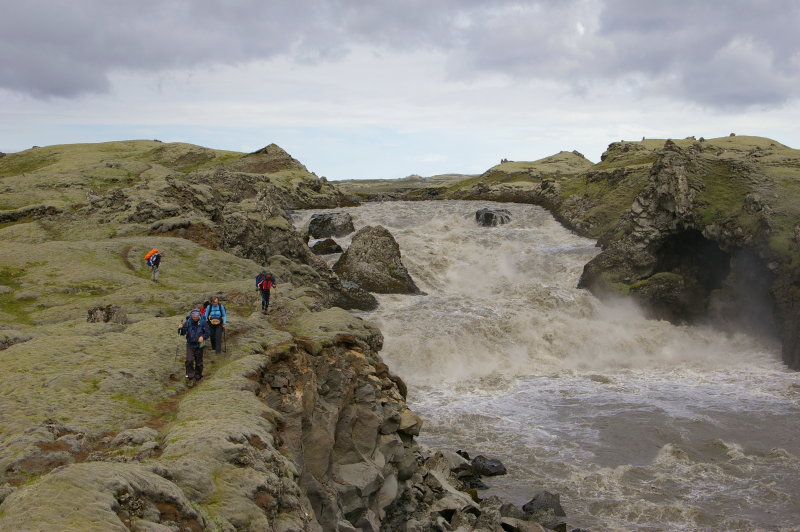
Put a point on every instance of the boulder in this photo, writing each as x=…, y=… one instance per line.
x=492, y=217
x=330, y=224
x=373, y=262
x=488, y=467
x=326, y=247
x=511, y=524
x=544, y=502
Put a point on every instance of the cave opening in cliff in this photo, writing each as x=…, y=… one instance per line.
x=696, y=258
x=730, y=291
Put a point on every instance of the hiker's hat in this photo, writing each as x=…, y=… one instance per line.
x=196, y=313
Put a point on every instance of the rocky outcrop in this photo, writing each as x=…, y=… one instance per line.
x=698, y=242
x=373, y=262
x=107, y=313
x=327, y=246
x=492, y=217
x=333, y=224
x=32, y=211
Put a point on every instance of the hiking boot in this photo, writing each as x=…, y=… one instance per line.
x=191, y=383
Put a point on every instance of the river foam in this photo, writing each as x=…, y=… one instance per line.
x=639, y=424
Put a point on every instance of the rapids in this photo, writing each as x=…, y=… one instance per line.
x=638, y=424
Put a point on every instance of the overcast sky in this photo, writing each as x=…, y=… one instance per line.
x=384, y=89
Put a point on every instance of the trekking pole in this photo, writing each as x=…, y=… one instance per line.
x=177, y=349
x=224, y=342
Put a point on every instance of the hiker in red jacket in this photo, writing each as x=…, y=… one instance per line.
x=264, y=283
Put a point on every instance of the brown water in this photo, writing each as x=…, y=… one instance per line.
x=638, y=424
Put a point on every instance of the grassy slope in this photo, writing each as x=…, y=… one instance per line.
x=366, y=187
x=560, y=165
x=103, y=377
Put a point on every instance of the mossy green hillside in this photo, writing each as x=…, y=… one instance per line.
x=103, y=377
x=68, y=172
x=558, y=166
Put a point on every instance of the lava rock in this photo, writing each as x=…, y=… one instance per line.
x=488, y=467
x=330, y=224
x=108, y=313
x=492, y=217
x=544, y=501
x=373, y=262
x=326, y=247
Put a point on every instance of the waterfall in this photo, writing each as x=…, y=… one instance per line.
x=639, y=424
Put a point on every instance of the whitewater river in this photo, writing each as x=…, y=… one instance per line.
x=638, y=424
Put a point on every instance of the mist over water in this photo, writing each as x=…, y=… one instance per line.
x=639, y=424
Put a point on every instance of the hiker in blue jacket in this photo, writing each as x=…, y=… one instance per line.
x=196, y=332
x=217, y=319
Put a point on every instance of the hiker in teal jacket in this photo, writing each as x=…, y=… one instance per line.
x=217, y=320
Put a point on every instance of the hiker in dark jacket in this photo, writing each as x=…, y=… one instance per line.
x=196, y=332
x=154, y=262
x=217, y=320
x=264, y=283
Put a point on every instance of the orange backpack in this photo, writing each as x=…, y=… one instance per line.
x=150, y=253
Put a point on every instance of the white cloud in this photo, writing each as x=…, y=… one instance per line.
x=372, y=92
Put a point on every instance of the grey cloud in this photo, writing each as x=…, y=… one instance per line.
x=724, y=53
x=730, y=53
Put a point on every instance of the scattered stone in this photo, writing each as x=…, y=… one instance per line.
x=330, y=224
x=511, y=524
x=11, y=337
x=470, y=480
x=373, y=262
x=492, y=217
x=26, y=296
x=410, y=423
x=326, y=247
x=488, y=467
x=511, y=510
x=108, y=313
x=544, y=502
x=138, y=436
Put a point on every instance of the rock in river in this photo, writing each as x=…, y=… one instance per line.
x=330, y=224
x=492, y=217
x=373, y=262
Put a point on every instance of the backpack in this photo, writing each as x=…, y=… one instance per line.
x=150, y=254
x=218, y=319
x=151, y=260
x=265, y=282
